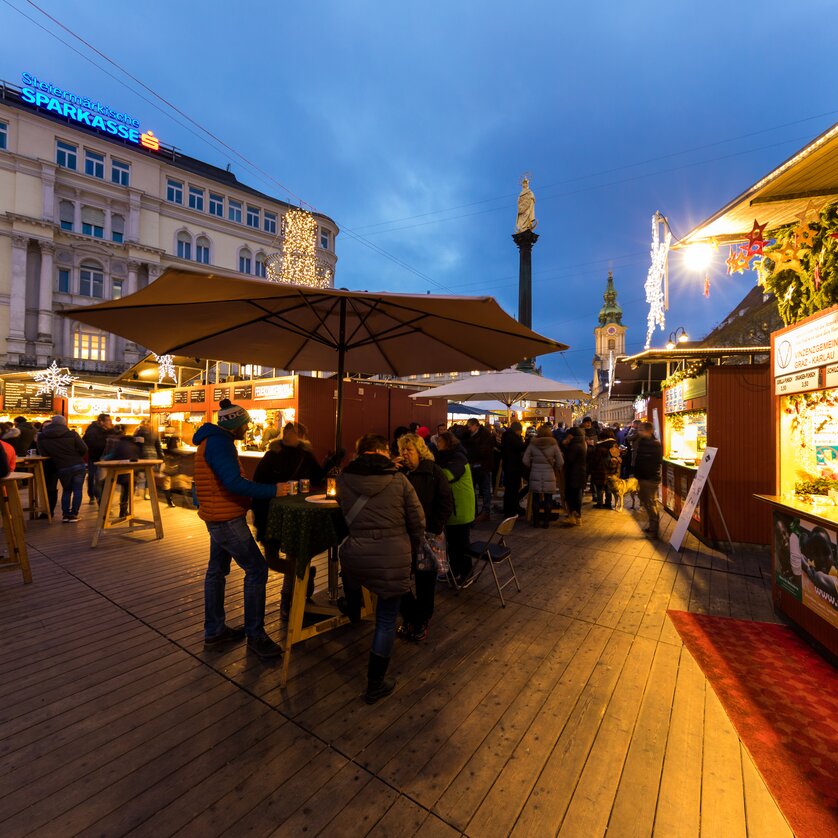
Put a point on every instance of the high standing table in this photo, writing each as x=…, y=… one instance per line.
x=128, y=468
x=303, y=530
x=11, y=512
x=38, y=500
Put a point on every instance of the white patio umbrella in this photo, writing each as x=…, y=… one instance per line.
x=508, y=387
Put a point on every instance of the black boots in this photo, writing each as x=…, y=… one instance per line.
x=378, y=686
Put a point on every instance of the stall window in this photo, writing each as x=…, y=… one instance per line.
x=4, y=135
x=89, y=346
x=216, y=205
x=260, y=265
x=202, y=250
x=245, y=261
x=94, y=164
x=91, y=280
x=174, y=191
x=270, y=222
x=93, y=222
x=196, y=198
x=253, y=217
x=234, y=211
x=184, y=245
x=118, y=228
x=63, y=280
x=66, y=213
x=66, y=155
x=120, y=173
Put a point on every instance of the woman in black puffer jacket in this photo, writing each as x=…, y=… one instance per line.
x=434, y=493
x=576, y=473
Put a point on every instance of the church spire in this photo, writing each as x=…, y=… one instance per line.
x=610, y=311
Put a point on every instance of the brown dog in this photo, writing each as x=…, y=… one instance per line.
x=621, y=488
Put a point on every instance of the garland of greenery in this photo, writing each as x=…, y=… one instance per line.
x=677, y=421
x=692, y=370
x=791, y=277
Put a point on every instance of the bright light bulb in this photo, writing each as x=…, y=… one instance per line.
x=697, y=257
x=683, y=338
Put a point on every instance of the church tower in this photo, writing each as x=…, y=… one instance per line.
x=610, y=337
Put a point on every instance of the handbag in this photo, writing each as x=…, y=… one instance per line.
x=433, y=554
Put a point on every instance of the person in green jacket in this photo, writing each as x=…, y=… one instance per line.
x=452, y=459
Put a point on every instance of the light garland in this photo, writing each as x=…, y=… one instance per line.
x=165, y=368
x=297, y=262
x=53, y=380
x=655, y=279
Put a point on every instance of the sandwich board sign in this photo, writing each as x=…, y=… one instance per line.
x=693, y=496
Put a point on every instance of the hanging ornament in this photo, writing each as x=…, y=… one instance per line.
x=53, y=380
x=808, y=214
x=706, y=286
x=297, y=263
x=165, y=368
x=732, y=260
x=804, y=235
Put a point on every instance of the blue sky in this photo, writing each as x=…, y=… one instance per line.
x=410, y=124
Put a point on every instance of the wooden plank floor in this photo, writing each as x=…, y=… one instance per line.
x=575, y=710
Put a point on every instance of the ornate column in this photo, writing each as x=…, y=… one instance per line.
x=525, y=241
x=16, y=341
x=47, y=191
x=45, y=288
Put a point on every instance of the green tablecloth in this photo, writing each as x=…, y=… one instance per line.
x=303, y=529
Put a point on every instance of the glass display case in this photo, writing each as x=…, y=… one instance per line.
x=685, y=437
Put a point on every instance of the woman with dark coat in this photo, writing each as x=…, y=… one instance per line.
x=576, y=473
x=431, y=487
x=606, y=463
x=386, y=526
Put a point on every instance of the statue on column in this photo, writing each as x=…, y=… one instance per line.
x=526, y=208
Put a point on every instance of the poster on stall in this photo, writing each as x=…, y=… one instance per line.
x=806, y=564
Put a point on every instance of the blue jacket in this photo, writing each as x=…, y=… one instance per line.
x=222, y=457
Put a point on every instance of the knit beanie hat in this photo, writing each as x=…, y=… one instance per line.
x=58, y=419
x=231, y=416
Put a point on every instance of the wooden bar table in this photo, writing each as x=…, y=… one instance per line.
x=38, y=500
x=11, y=512
x=127, y=468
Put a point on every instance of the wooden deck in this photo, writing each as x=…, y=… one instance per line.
x=576, y=710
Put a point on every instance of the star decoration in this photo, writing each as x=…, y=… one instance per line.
x=53, y=380
x=165, y=368
x=808, y=214
x=804, y=235
x=732, y=261
x=757, y=233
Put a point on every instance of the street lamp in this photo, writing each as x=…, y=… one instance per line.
x=676, y=337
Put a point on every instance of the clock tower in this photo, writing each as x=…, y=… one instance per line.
x=610, y=338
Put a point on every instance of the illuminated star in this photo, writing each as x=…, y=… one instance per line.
x=732, y=261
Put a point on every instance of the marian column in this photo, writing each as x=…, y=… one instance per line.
x=525, y=238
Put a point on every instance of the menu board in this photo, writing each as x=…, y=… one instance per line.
x=22, y=397
x=242, y=391
x=674, y=399
x=181, y=396
x=198, y=396
x=219, y=393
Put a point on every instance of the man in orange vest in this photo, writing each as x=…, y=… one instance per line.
x=224, y=495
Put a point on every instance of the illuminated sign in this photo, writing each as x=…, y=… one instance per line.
x=81, y=109
x=279, y=390
x=162, y=398
x=119, y=407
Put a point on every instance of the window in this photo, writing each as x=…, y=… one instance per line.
x=4, y=135
x=118, y=228
x=270, y=222
x=66, y=212
x=202, y=250
x=612, y=344
x=63, y=280
x=245, y=261
x=66, y=155
x=120, y=173
x=116, y=292
x=216, y=205
x=91, y=282
x=94, y=164
x=253, y=214
x=93, y=222
x=325, y=238
x=196, y=198
x=184, y=245
x=89, y=346
x=234, y=211
x=174, y=191
x=260, y=265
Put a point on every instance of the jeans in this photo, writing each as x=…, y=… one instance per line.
x=72, y=482
x=648, y=493
x=386, y=612
x=232, y=539
x=94, y=488
x=483, y=487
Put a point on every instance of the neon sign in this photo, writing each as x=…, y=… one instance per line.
x=81, y=109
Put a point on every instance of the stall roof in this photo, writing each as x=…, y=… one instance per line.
x=810, y=174
x=682, y=353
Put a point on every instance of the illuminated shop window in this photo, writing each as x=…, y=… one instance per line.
x=94, y=164
x=216, y=205
x=91, y=281
x=120, y=173
x=196, y=198
x=174, y=191
x=66, y=155
x=89, y=346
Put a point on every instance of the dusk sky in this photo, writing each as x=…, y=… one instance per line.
x=411, y=124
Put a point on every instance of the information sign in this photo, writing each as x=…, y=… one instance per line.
x=831, y=376
x=219, y=393
x=198, y=396
x=693, y=496
x=181, y=396
x=812, y=344
x=797, y=382
x=242, y=391
x=275, y=390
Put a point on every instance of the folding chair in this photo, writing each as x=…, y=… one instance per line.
x=493, y=552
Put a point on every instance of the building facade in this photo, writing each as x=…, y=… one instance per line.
x=92, y=210
x=610, y=343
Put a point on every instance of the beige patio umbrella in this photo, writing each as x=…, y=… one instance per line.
x=298, y=327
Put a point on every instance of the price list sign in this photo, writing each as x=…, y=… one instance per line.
x=22, y=397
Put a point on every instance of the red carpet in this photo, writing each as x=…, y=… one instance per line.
x=782, y=698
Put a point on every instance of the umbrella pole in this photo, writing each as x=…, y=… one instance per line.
x=341, y=373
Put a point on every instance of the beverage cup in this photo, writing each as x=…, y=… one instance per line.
x=305, y=487
x=292, y=487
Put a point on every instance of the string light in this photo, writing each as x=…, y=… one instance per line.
x=297, y=262
x=165, y=368
x=53, y=380
x=655, y=279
